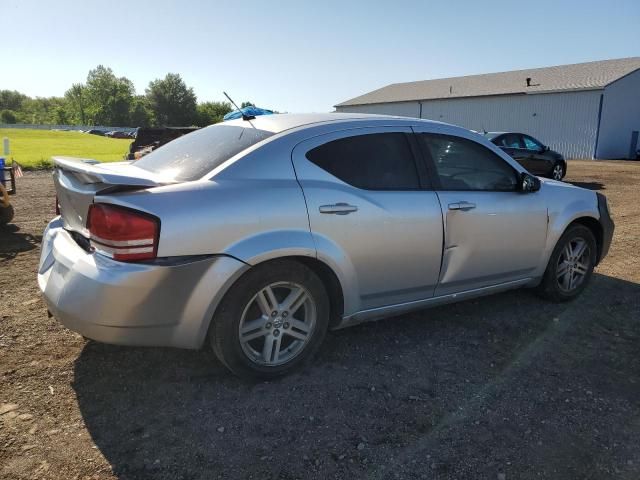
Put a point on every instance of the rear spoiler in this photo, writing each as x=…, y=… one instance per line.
x=90, y=171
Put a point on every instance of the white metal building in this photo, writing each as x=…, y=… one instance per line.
x=585, y=110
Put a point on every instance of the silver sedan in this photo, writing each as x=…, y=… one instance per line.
x=256, y=236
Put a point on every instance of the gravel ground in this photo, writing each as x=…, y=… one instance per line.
x=503, y=387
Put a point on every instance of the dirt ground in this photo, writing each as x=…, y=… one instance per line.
x=504, y=387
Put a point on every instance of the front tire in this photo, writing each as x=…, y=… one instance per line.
x=570, y=266
x=557, y=172
x=272, y=320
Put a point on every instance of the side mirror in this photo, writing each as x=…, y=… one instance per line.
x=544, y=148
x=529, y=183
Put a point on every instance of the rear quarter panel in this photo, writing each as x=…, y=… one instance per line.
x=253, y=214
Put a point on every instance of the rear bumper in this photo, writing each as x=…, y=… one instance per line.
x=131, y=303
x=607, y=226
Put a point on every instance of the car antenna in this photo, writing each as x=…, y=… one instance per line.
x=246, y=118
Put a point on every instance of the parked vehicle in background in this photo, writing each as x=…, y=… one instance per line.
x=257, y=236
x=148, y=139
x=532, y=154
x=120, y=134
x=95, y=131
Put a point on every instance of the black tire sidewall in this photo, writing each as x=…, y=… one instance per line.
x=223, y=333
x=549, y=286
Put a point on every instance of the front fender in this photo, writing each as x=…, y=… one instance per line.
x=565, y=204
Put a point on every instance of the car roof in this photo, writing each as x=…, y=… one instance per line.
x=277, y=123
x=492, y=135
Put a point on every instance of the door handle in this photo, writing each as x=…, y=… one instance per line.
x=338, y=208
x=462, y=206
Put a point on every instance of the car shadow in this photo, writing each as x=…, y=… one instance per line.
x=13, y=242
x=452, y=387
x=589, y=185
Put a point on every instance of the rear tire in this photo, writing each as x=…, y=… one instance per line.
x=570, y=266
x=272, y=320
x=6, y=215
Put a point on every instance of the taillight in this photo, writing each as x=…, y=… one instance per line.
x=123, y=234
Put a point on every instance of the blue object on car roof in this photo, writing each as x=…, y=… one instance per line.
x=249, y=111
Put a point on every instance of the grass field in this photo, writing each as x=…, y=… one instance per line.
x=33, y=149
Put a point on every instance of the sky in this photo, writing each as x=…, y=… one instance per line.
x=301, y=56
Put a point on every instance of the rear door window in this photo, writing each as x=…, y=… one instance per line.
x=511, y=140
x=192, y=156
x=377, y=161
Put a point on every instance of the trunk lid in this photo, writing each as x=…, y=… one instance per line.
x=79, y=180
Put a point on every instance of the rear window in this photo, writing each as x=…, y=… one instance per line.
x=192, y=156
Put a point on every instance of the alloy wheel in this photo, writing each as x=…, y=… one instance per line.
x=573, y=264
x=277, y=323
x=557, y=172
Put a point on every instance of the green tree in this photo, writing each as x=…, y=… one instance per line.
x=171, y=101
x=42, y=111
x=140, y=115
x=31, y=112
x=60, y=115
x=108, y=98
x=11, y=100
x=247, y=104
x=76, y=100
x=212, y=112
x=7, y=116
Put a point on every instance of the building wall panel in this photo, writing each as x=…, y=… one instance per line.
x=620, y=118
x=567, y=121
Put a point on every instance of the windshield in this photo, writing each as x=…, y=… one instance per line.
x=192, y=156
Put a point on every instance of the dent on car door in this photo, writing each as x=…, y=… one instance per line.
x=493, y=233
x=370, y=217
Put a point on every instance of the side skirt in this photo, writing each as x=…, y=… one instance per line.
x=398, y=309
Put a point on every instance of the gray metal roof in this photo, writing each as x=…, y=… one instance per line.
x=578, y=76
